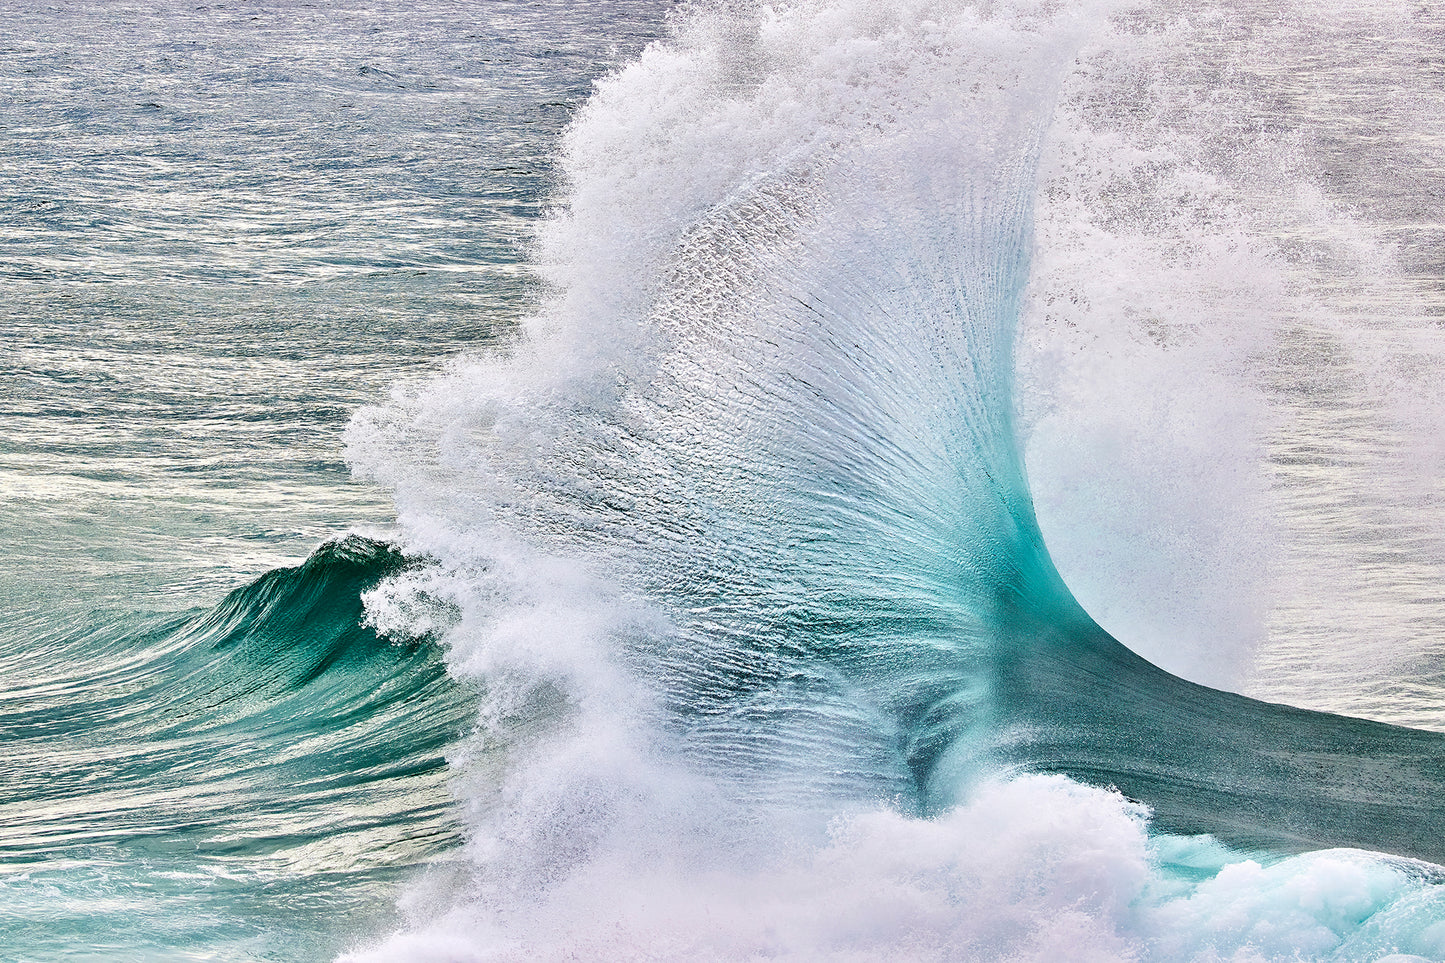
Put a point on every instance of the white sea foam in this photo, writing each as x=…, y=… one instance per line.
x=1038, y=868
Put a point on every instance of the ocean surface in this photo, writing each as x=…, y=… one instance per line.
x=824, y=480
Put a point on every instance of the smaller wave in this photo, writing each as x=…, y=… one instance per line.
x=304, y=628
x=273, y=741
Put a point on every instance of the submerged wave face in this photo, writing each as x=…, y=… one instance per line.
x=740, y=544
x=235, y=760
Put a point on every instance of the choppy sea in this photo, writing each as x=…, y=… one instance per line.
x=820, y=480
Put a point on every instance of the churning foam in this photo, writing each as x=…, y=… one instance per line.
x=1037, y=869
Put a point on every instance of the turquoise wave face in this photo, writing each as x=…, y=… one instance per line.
x=253, y=778
x=1256, y=775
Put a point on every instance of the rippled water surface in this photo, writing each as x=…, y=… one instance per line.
x=222, y=229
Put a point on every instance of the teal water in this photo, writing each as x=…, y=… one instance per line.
x=246, y=781
x=454, y=513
